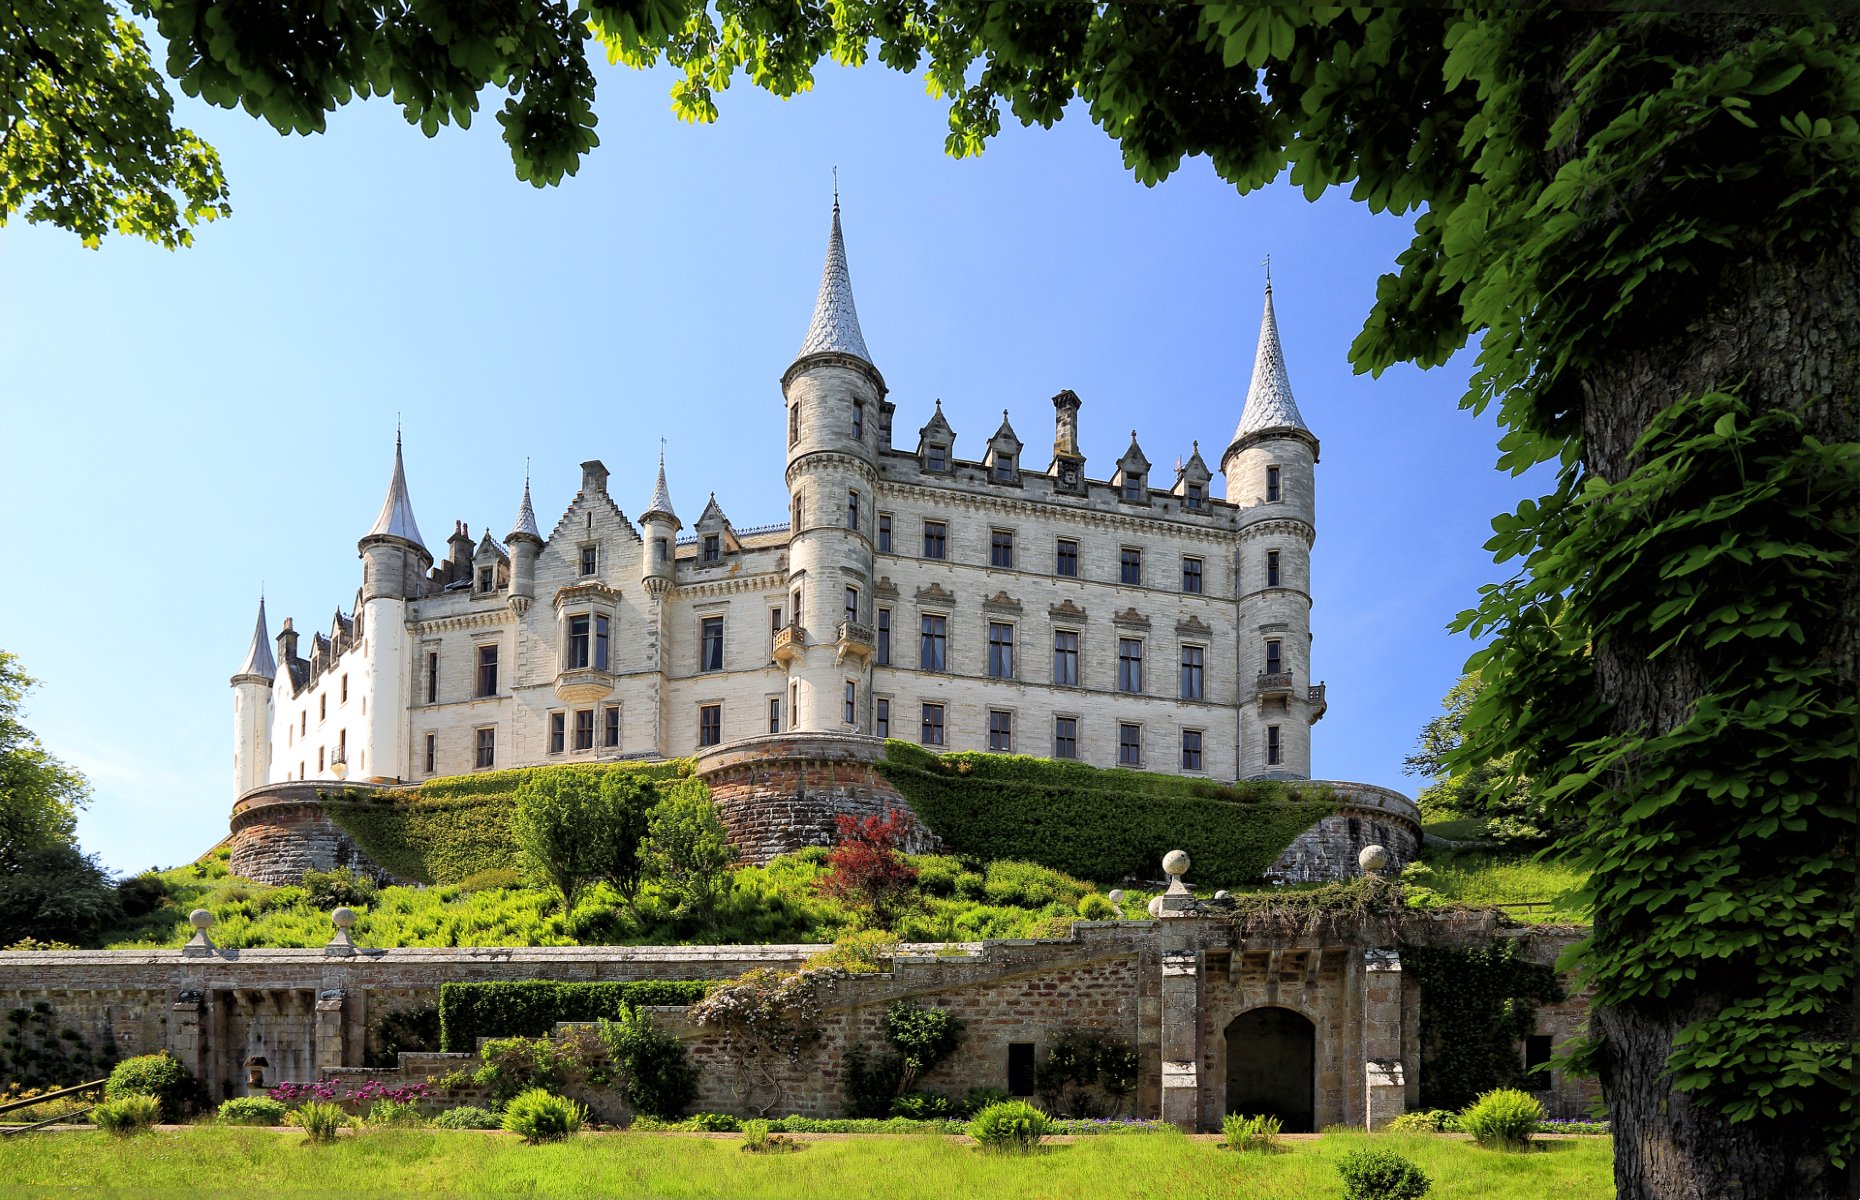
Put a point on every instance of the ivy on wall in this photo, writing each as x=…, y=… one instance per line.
x=1476, y=1006
x=531, y=1007
x=444, y=830
x=1101, y=824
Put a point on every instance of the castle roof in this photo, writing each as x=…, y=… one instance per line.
x=661, y=496
x=1269, y=403
x=835, y=327
x=526, y=517
x=396, y=519
x=258, y=660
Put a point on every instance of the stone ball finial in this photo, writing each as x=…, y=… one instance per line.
x=1176, y=863
x=1373, y=859
x=1223, y=894
x=343, y=917
x=1116, y=896
x=200, y=919
x=1156, y=906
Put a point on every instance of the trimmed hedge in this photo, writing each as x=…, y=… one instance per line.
x=446, y=830
x=531, y=1008
x=1098, y=824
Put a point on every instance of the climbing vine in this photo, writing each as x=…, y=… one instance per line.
x=1475, y=1007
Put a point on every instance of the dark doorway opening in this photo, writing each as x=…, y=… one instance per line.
x=1272, y=1067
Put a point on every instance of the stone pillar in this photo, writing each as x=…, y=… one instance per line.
x=1181, y=1038
x=187, y=1032
x=1384, y=1087
x=329, y=1040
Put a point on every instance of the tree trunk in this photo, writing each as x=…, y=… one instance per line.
x=1789, y=333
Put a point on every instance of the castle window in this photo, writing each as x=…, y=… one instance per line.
x=486, y=749
x=1066, y=657
x=1065, y=737
x=794, y=514
x=713, y=548
x=933, y=725
x=858, y=417
x=601, y=625
x=1004, y=468
x=342, y=746
x=319, y=759
x=432, y=753
x=1133, y=487
x=1130, y=745
x=1275, y=661
x=1129, y=664
x=852, y=606
x=1066, y=558
x=797, y=606
x=1273, y=751
x=1001, y=731
x=578, y=641
x=345, y=687
x=303, y=721
x=1272, y=568
x=936, y=458
x=661, y=550
x=590, y=558
x=1000, y=650
x=710, y=724
x=774, y=624
x=849, y=712
x=710, y=649
x=774, y=714
x=1020, y=1070
x=1193, y=672
x=1192, y=497
x=936, y=539
x=487, y=579
x=1191, y=575
x=884, y=533
x=610, y=734
x=584, y=729
x=1191, y=749
x=794, y=423
x=852, y=510
x=558, y=732
x=322, y=706
x=884, y=637
x=882, y=722
x=1273, y=494
x=794, y=704
x=1001, y=549
x=487, y=670
x=933, y=652
x=1130, y=566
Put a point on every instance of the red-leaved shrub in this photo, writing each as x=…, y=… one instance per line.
x=867, y=869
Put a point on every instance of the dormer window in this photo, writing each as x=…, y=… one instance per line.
x=589, y=560
x=936, y=458
x=1192, y=496
x=1133, y=487
x=487, y=579
x=1004, y=468
x=713, y=548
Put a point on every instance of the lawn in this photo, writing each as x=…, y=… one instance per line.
x=207, y=1162
x=1481, y=877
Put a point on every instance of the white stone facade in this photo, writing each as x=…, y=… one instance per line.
x=974, y=604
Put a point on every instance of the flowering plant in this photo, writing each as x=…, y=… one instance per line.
x=347, y=1094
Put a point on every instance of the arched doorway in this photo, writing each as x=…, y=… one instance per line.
x=1272, y=1066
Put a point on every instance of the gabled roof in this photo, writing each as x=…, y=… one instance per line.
x=490, y=545
x=258, y=660
x=1195, y=468
x=1133, y=459
x=1269, y=403
x=396, y=519
x=1004, y=436
x=936, y=430
x=835, y=325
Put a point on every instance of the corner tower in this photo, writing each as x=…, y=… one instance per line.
x=252, y=685
x=833, y=393
x=394, y=566
x=1270, y=472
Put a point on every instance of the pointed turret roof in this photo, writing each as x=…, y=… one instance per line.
x=396, y=519
x=1269, y=403
x=835, y=327
x=526, y=517
x=661, y=497
x=258, y=660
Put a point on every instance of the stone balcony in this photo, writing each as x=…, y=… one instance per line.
x=1315, y=697
x=579, y=685
x=790, y=640
x=853, y=640
x=1273, y=685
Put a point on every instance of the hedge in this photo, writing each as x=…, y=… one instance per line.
x=1103, y=825
x=531, y=1008
x=446, y=829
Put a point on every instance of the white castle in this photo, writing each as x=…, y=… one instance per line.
x=966, y=605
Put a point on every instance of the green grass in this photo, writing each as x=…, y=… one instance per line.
x=210, y=1162
x=1479, y=877
x=1457, y=829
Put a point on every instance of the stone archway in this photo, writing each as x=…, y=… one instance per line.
x=1272, y=1066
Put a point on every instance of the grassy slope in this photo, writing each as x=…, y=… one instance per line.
x=1480, y=877
x=235, y=1162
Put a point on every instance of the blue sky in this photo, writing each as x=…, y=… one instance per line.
x=182, y=428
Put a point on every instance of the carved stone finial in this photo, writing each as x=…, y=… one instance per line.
x=201, y=920
x=341, y=944
x=1373, y=859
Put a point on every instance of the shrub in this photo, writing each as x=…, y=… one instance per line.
x=710, y=1122
x=867, y=870
x=1258, y=1132
x=491, y=879
x=532, y=1008
x=1086, y=1073
x=141, y=894
x=687, y=852
x=395, y=1112
x=922, y=1106
x=550, y=818
x=1503, y=1118
x=1098, y=908
x=1012, y=1126
x=330, y=889
x=130, y=1114
x=513, y=1065
x=871, y=1081
x=159, y=1075
x=1431, y=1120
x=252, y=1110
x=659, y=1078
x=622, y=808
x=320, y=1119
x=976, y=1099
x=467, y=1116
x=542, y=1116
x=923, y=1037
x=1381, y=1175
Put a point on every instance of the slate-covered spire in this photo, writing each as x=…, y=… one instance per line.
x=661, y=496
x=835, y=327
x=396, y=519
x=526, y=516
x=258, y=660
x=1269, y=403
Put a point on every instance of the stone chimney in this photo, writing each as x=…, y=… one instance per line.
x=287, y=642
x=1066, y=425
x=594, y=477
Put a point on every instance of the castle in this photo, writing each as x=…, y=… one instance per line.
x=988, y=604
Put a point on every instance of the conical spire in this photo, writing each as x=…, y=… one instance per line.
x=1269, y=403
x=526, y=516
x=258, y=660
x=661, y=495
x=396, y=519
x=835, y=327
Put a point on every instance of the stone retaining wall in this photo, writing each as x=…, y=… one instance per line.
x=280, y=830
